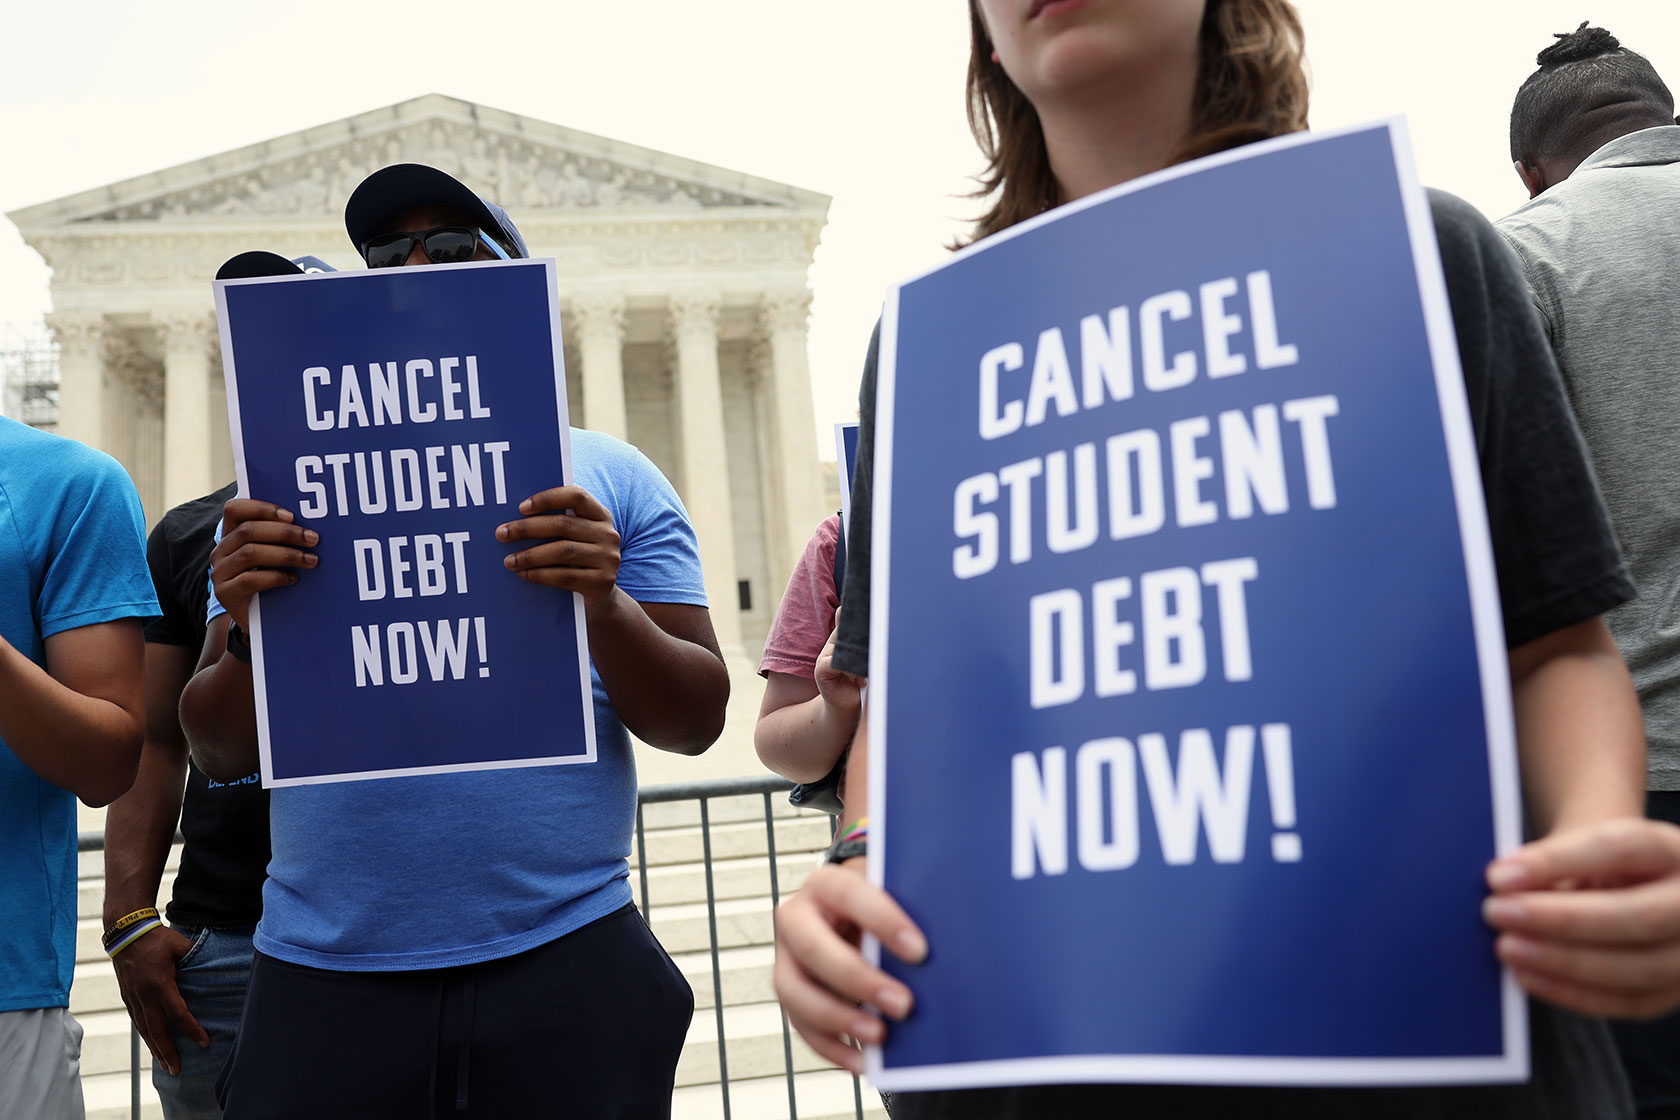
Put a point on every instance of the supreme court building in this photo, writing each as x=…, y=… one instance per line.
x=683, y=304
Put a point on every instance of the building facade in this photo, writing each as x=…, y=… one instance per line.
x=683, y=292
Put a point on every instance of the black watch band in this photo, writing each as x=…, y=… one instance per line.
x=238, y=644
x=841, y=852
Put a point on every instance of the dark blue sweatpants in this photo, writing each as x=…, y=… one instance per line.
x=589, y=1025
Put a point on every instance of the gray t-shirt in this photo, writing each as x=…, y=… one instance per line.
x=1557, y=563
x=1602, y=253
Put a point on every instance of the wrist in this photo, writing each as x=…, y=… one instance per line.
x=1588, y=813
x=129, y=928
x=238, y=645
x=851, y=843
x=112, y=914
x=842, y=700
x=608, y=609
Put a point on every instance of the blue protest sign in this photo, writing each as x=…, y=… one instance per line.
x=845, y=446
x=1190, y=723
x=404, y=414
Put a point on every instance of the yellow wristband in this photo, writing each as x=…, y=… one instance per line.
x=134, y=933
x=127, y=920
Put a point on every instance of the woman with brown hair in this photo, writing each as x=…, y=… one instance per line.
x=1068, y=97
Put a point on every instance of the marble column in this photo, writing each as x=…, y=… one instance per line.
x=797, y=484
x=81, y=375
x=598, y=321
x=186, y=341
x=133, y=432
x=705, y=463
x=149, y=449
x=221, y=439
x=767, y=447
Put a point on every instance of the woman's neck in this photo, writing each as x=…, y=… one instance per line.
x=1096, y=142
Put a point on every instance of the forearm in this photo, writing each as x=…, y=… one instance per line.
x=857, y=771
x=87, y=745
x=1580, y=735
x=669, y=692
x=218, y=714
x=139, y=829
x=802, y=741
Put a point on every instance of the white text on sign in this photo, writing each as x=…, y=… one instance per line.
x=1197, y=796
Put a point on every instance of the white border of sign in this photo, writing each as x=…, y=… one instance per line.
x=1487, y=622
x=258, y=666
x=841, y=467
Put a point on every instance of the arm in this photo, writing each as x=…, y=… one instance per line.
x=77, y=723
x=260, y=550
x=139, y=829
x=1579, y=734
x=1589, y=916
x=219, y=710
x=805, y=724
x=659, y=662
x=660, y=665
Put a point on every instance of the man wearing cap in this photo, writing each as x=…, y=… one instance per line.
x=184, y=983
x=465, y=944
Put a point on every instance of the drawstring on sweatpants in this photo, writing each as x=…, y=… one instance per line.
x=437, y=1038
x=463, y=1055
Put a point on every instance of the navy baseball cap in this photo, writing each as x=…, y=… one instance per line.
x=390, y=192
x=259, y=262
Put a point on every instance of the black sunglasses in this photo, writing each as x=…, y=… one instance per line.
x=444, y=245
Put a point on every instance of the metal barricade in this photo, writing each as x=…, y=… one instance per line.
x=769, y=788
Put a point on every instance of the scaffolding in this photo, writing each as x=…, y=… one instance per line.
x=29, y=375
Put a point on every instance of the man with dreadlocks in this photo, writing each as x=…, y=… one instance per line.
x=1594, y=137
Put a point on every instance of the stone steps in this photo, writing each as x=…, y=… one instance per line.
x=820, y=1095
x=823, y=1095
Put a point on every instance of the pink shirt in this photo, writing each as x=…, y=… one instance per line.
x=806, y=617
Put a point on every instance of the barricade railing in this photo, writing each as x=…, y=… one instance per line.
x=768, y=787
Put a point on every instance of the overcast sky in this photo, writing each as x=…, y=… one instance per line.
x=860, y=100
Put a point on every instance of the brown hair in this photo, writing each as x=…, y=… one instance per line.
x=1251, y=84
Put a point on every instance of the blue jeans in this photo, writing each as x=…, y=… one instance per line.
x=212, y=977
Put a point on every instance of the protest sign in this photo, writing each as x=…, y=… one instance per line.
x=404, y=414
x=1190, y=719
x=845, y=446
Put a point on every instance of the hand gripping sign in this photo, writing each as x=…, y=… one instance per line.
x=1190, y=709
x=404, y=414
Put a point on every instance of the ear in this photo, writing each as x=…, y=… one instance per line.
x=996, y=61
x=1531, y=178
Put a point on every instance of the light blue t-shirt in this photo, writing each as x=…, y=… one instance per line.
x=439, y=870
x=73, y=554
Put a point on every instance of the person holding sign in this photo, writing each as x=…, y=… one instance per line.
x=1069, y=97
x=475, y=927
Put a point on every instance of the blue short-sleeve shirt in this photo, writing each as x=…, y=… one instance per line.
x=438, y=870
x=73, y=550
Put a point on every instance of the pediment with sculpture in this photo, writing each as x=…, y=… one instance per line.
x=526, y=165
x=518, y=173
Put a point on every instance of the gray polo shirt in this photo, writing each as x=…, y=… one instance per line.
x=1602, y=254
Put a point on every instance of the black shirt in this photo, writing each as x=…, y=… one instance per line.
x=1558, y=564
x=225, y=858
